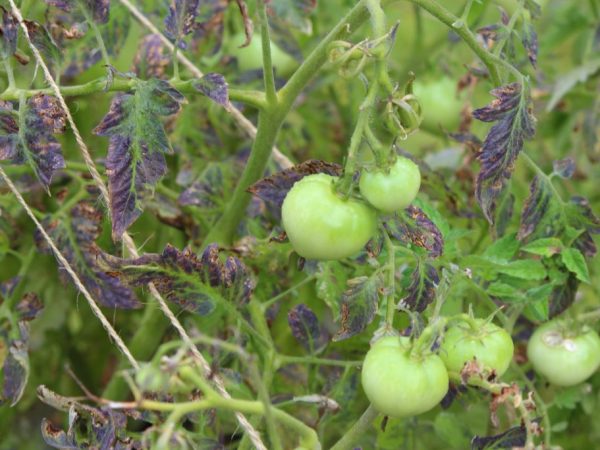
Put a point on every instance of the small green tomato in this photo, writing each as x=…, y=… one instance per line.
x=322, y=225
x=394, y=190
x=439, y=103
x=399, y=384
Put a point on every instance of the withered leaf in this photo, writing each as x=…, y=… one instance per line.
x=29, y=307
x=421, y=290
x=274, y=188
x=529, y=40
x=75, y=237
x=514, y=123
x=16, y=367
x=195, y=284
x=358, y=305
x=56, y=438
x=304, y=325
x=27, y=136
x=98, y=10
x=181, y=20
x=412, y=226
x=562, y=296
x=214, y=86
x=564, y=168
x=138, y=142
x=514, y=437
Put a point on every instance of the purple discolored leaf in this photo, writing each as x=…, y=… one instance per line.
x=8, y=34
x=514, y=437
x=274, y=188
x=421, y=290
x=75, y=237
x=56, y=438
x=29, y=307
x=529, y=40
x=539, y=207
x=358, y=305
x=214, y=86
x=581, y=217
x=514, y=123
x=304, y=325
x=152, y=57
x=412, y=226
x=16, y=367
x=181, y=20
x=562, y=296
x=98, y=10
x=207, y=190
x=195, y=284
x=138, y=142
x=27, y=136
x=564, y=168
x=43, y=41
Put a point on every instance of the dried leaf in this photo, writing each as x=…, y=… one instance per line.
x=57, y=438
x=181, y=20
x=358, y=305
x=195, y=284
x=27, y=136
x=138, y=142
x=421, y=291
x=304, y=325
x=502, y=145
x=16, y=367
x=75, y=237
x=413, y=227
x=274, y=188
x=214, y=86
x=564, y=168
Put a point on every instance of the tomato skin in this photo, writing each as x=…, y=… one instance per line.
x=392, y=191
x=489, y=344
x=400, y=385
x=250, y=57
x=563, y=358
x=439, y=102
x=322, y=225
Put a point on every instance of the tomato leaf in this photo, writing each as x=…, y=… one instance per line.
x=575, y=262
x=358, y=305
x=541, y=211
x=529, y=39
x=274, y=188
x=422, y=288
x=195, y=284
x=43, y=41
x=544, y=247
x=504, y=142
x=181, y=20
x=294, y=13
x=138, y=142
x=27, y=136
x=98, y=10
x=413, y=227
x=304, y=325
x=75, y=236
x=511, y=438
x=16, y=367
x=214, y=86
x=564, y=168
x=562, y=296
x=152, y=58
x=8, y=34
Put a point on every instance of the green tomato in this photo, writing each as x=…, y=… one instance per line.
x=250, y=57
x=399, y=384
x=439, y=102
x=322, y=225
x=489, y=344
x=564, y=357
x=394, y=190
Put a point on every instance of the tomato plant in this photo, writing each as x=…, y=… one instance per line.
x=200, y=240
x=563, y=355
x=399, y=383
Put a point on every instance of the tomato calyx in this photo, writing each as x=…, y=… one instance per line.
x=403, y=113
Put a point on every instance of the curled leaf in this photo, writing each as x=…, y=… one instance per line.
x=181, y=20
x=412, y=226
x=214, y=86
x=304, y=325
x=358, y=305
x=421, y=291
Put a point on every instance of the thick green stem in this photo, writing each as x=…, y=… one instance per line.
x=353, y=435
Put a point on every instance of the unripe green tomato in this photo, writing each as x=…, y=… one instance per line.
x=322, y=225
x=250, y=57
x=440, y=104
x=563, y=357
x=391, y=191
x=489, y=344
x=400, y=385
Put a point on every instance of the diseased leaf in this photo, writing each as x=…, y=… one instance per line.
x=152, y=58
x=27, y=136
x=304, y=325
x=214, y=86
x=138, y=142
x=575, y=262
x=544, y=247
x=541, y=212
x=181, y=20
x=564, y=168
x=29, y=307
x=15, y=370
x=75, y=237
x=562, y=296
x=512, y=438
x=43, y=41
x=274, y=188
x=413, y=227
x=57, y=438
x=421, y=291
x=514, y=123
x=529, y=40
x=358, y=305
x=294, y=13
x=98, y=10
x=8, y=34
x=581, y=217
x=207, y=190
x=330, y=284
x=195, y=284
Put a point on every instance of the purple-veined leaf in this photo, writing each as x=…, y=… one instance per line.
x=98, y=10
x=152, y=58
x=27, y=135
x=8, y=34
x=16, y=367
x=75, y=237
x=514, y=123
x=214, y=86
x=274, y=188
x=137, y=146
x=358, y=305
x=529, y=40
x=304, y=324
x=413, y=227
x=194, y=283
x=181, y=20
x=421, y=290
